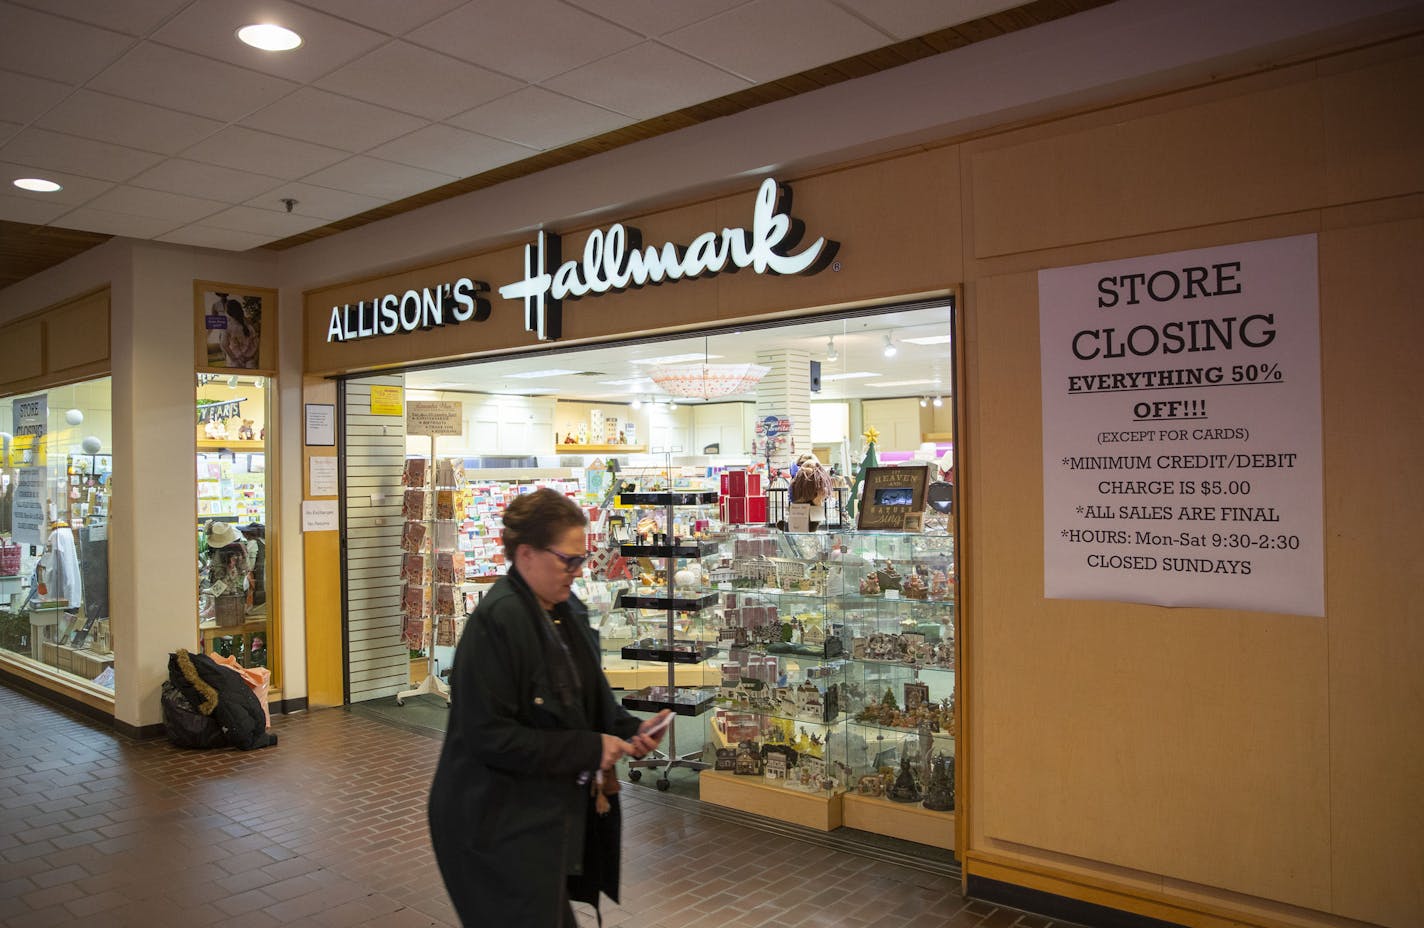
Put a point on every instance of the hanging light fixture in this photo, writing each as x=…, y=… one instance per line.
x=924, y=401
x=938, y=401
x=706, y=381
x=831, y=348
x=889, y=346
x=637, y=402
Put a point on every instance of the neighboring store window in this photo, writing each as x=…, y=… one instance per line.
x=56, y=483
x=235, y=606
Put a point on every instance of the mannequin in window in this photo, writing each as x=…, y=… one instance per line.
x=228, y=570
x=254, y=540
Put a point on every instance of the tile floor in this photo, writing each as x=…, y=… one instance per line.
x=328, y=829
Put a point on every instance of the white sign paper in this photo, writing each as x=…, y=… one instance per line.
x=28, y=511
x=319, y=515
x=320, y=424
x=322, y=478
x=1181, y=429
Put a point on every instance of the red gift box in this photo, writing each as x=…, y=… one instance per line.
x=741, y=483
x=736, y=509
x=756, y=509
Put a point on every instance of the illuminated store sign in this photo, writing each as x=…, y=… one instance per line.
x=614, y=260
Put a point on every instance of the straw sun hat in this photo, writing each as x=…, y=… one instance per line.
x=222, y=534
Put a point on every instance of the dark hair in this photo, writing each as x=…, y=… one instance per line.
x=234, y=310
x=537, y=519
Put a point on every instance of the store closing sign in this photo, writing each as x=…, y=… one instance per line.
x=614, y=260
x=1181, y=429
x=30, y=416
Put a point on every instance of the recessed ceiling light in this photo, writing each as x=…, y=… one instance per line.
x=674, y=358
x=269, y=37
x=37, y=184
x=902, y=383
x=928, y=340
x=852, y=375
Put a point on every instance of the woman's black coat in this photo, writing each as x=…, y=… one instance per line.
x=509, y=820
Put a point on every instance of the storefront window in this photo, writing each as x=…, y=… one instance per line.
x=56, y=481
x=234, y=502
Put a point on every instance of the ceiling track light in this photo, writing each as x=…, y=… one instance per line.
x=637, y=402
x=889, y=346
x=938, y=401
x=924, y=401
x=831, y=348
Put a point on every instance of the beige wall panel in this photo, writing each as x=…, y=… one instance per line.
x=898, y=228
x=1179, y=742
x=1371, y=278
x=1373, y=140
x=1218, y=161
x=21, y=352
x=78, y=332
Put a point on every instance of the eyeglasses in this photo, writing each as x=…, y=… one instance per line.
x=571, y=562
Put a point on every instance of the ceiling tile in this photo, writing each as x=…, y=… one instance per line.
x=262, y=153
x=752, y=40
x=208, y=237
x=318, y=202
x=127, y=122
x=208, y=88
x=653, y=18
x=209, y=27
x=373, y=177
x=530, y=39
x=450, y=151
x=906, y=19
x=133, y=17
x=111, y=223
x=155, y=204
x=539, y=118
x=647, y=80
x=24, y=98
x=328, y=119
x=24, y=209
x=417, y=80
x=272, y=223
x=390, y=18
x=76, y=190
x=30, y=38
x=54, y=151
x=210, y=181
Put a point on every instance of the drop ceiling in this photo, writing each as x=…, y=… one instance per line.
x=161, y=125
x=851, y=352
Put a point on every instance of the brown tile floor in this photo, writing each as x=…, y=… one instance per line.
x=328, y=829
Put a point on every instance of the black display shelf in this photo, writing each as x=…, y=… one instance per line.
x=668, y=498
x=682, y=701
x=651, y=649
x=682, y=549
x=675, y=603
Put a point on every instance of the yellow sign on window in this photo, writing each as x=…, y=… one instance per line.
x=27, y=451
x=387, y=401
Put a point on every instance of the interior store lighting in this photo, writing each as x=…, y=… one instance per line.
x=831, y=349
x=707, y=381
x=889, y=346
x=938, y=401
x=924, y=402
x=637, y=402
x=269, y=37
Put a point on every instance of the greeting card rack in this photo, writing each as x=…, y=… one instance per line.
x=432, y=568
x=666, y=546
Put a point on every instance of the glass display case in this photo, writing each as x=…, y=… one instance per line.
x=840, y=674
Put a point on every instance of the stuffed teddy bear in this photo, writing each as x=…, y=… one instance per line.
x=244, y=432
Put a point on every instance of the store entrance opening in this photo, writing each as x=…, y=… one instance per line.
x=770, y=549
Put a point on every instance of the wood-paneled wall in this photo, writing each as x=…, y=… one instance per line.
x=61, y=344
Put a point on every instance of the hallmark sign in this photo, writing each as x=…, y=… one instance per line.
x=614, y=259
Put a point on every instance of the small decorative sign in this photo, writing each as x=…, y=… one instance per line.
x=387, y=401
x=433, y=418
x=893, y=499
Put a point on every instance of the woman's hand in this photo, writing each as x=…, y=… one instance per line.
x=613, y=749
x=650, y=733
